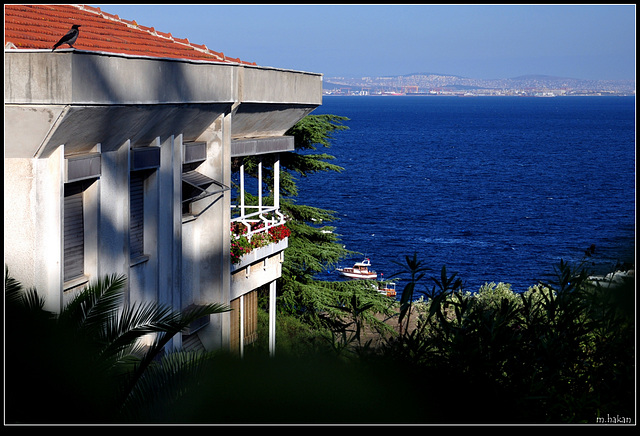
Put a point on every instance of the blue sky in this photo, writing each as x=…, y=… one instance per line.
x=478, y=41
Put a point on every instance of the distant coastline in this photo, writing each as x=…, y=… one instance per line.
x=453, y=94
x=428, y=84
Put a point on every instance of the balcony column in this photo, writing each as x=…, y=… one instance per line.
x=242, y=190
x=272, y=318
x=272, y=285
x=276, y=182
x=241, y=326
x=260, y=186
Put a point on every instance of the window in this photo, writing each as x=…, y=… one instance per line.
x=74, y=230
x=81, y=171
x=136, y=214
x=195, y=185
x=144, y=162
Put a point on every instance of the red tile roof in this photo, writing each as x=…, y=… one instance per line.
x=41, y=26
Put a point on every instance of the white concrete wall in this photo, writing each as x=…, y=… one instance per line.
x=270, y=85
x=94, y=78
x=78, y=102
x=257, y=274
x=33, y=224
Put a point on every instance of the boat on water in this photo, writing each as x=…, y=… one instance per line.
x=389, y=290
x=359, y=270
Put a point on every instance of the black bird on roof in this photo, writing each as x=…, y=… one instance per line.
x=69, y=38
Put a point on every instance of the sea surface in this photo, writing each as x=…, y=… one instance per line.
x=497, y=189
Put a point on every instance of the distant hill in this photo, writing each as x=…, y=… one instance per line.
x=431, y=74
x=448, y=84
x=541, y=77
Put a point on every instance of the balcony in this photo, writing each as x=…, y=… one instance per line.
x=258, y=241
x=257, y=236
x=258, y=231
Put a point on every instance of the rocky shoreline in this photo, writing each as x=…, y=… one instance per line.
x=613, y=279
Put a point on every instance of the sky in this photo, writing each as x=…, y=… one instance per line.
x=594, y=42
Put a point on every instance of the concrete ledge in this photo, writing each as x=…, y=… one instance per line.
x=258, y=268
x=255, y=146
x=265, y=85
x=259, y=254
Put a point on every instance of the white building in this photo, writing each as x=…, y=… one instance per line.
x=118, y=161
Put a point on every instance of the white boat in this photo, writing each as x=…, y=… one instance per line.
x=389, y=290
x=360, y=270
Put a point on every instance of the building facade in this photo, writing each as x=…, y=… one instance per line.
x=118, y=162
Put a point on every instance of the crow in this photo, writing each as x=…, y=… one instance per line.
x=69, y=38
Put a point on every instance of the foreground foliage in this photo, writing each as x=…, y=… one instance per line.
x=99, y=360
x=561, y=352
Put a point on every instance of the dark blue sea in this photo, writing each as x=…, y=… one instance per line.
x=497, y=189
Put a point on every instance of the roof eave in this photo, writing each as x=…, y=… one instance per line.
x=122, y=55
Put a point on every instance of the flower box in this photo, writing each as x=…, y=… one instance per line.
x=259, y=254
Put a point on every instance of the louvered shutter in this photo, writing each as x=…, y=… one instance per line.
x=136, y=210
x=234, y=327
x=195, y=186
x=73, y=232
x=250, y=317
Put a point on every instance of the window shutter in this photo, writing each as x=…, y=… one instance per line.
x=250, y=317
x=136, y=212
x=73, y=233
x=234, y=326
x=195, y=186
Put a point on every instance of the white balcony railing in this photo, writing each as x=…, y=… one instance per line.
x=266, y=218
x=255, y=226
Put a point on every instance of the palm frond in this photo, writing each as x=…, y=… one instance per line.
x=16, y=295
x=143, y=319
x=121, y=332
x=174, y=322
x=163, y=385
x=12, y=287
x=95, y=304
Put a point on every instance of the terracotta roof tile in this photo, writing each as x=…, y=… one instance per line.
x=41, y=26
